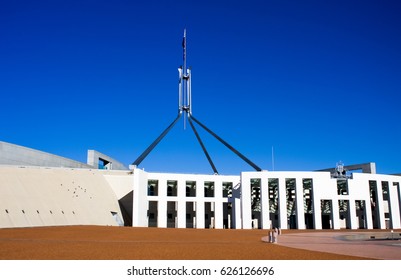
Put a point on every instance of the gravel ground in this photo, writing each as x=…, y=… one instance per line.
x=126, y=243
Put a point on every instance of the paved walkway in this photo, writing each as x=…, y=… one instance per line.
x=345, y=243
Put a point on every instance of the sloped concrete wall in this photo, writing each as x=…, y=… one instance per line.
x=38, y=196
x=11, y=154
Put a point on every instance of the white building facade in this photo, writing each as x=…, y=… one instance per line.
x=316, y=200
x=40, y=189
x=186, y=200
x=288, y=200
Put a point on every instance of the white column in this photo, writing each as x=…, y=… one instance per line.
x=399, y=199
x=218, y=204
x=200, y=214
x=236, y=210
x=264, y=196
x=380, y=204
x=317, y=210
x=282, y=203
x=246, y=202
x=162, y=213
x=140, y=201
x=335, y=214
x=394, y=206
x=162, y=204
x=352, y=213
x=368, y=211
x=237, y=219
x=218, y=214
x=299, y=194
x=200, y=204
x=181, y=201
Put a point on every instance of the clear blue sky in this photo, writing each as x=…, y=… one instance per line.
x=319, y=81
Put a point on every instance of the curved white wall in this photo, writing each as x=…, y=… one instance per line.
x=38, y=196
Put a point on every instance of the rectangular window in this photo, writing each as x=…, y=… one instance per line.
x=171, y=214
x=153, y=188
x=190, y=214
x=209, y=189
x=209, y=214
x=190, y=188
x=290, y=186
x=227, y=189
x=255, y=195
x=172, y=188
x=273, y=194
x=342, y=186
x=152, y=213
x=385, y=190
x=308, y=197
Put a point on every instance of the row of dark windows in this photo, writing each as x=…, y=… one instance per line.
x=190, y=190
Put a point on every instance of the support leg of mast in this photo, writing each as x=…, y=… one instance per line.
x=203, y=146
x=153, y=145
x=257, y=168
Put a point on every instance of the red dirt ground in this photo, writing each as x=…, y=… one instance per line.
x=126, y=243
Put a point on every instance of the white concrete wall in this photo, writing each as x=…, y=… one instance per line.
x=140, y=203
x=36, y=196
x=394, y=194
x=141, y=199
x=120, y=182
x=324, y=188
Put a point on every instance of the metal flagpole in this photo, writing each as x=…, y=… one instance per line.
x=181, y=105
x=185, y=106
x=184, y=75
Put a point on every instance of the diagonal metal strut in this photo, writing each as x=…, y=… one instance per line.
x=203, y=146
x=153, y=145
x=257, y=168
x=190, y=118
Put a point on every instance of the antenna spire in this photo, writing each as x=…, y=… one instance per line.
x=184, y=93
x=184, y=49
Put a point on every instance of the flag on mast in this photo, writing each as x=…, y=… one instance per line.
x=184, y=44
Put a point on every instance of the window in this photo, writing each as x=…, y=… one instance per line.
x=171, y=188
x=209, y=189
x=227, y=189
x=255, y=195
x=190, y=188
x=342, y=186
x=153, y=188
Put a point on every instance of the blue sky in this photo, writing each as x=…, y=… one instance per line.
x=319, y=81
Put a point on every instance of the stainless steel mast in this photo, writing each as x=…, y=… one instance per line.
x=185, y=106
